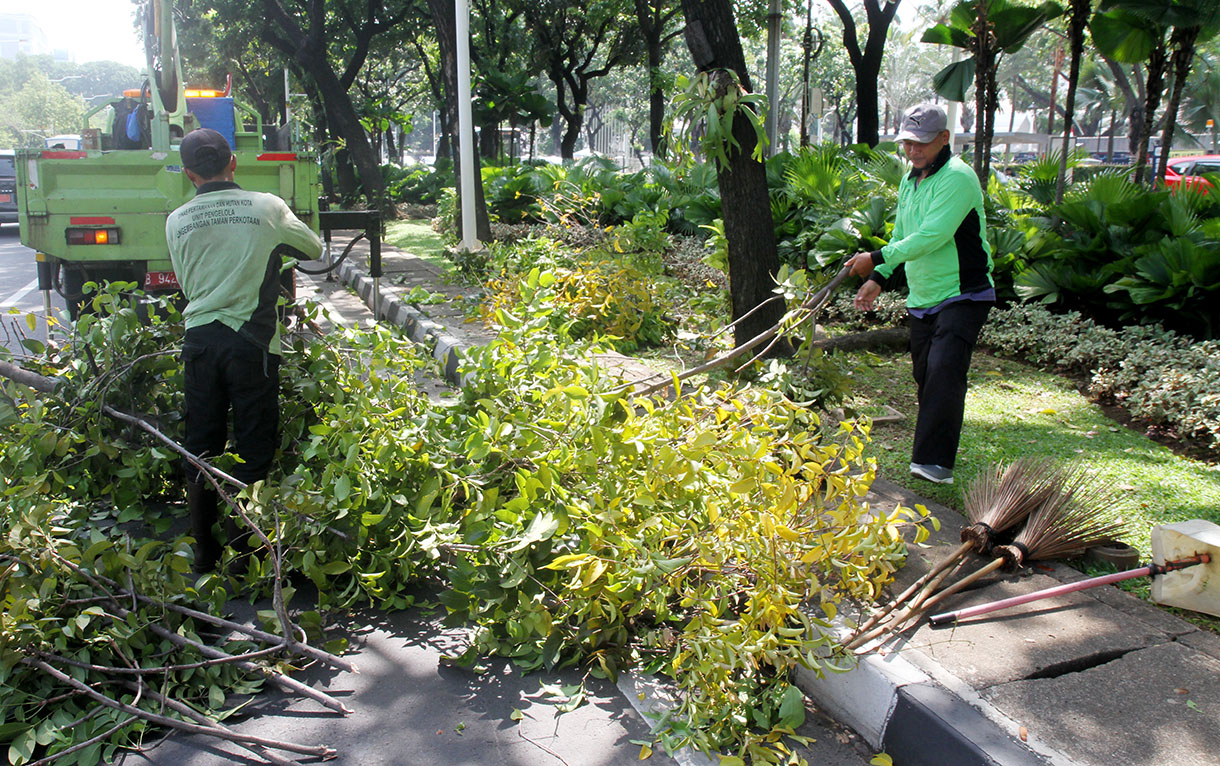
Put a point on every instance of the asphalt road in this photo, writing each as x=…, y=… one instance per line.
x=19, y=295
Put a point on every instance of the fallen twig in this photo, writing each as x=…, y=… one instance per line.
x=184, y=709
x=223, y=733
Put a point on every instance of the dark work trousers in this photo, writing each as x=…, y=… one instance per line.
x=941, y=347
x=224, y=372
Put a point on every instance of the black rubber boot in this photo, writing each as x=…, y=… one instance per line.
x=201, y=499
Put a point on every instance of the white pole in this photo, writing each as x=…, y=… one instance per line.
x=773, y=40
x=287, y=109
x=465, y=127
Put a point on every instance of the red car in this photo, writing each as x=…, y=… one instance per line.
x=1189, y=171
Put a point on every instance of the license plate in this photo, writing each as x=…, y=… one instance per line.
x=6, y=198
x=161, y=280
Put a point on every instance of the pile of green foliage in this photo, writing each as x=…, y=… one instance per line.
x=709, y=539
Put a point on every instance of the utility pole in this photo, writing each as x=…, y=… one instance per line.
x=470, y=241
x=774, y=23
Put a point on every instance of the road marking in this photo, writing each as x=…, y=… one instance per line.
x=12, y=299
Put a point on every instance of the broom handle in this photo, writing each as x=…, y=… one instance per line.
x=910, y=591
x=1072, y=587
x=957, y=586
x=862, y=638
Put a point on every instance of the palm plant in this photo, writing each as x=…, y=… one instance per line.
x=987, y=29
x=830, y=200
x=1123, y=253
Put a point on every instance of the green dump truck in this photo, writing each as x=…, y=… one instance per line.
x=97, y=213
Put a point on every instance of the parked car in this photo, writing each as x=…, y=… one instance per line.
x=8, y=187
x=1189, y=171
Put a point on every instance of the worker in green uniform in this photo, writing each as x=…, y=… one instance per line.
x=228, y=247
x=940, y=240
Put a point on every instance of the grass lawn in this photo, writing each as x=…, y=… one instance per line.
x=416, y=237
x=1012, y=411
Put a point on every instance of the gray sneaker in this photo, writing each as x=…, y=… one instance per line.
x=933, y=473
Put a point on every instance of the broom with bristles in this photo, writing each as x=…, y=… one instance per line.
x=995, y=501
x=1074, y=517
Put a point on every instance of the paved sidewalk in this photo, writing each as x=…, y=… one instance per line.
x=1095, y=678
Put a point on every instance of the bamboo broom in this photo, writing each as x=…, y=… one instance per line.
x=996, y=501
x=1077, y=515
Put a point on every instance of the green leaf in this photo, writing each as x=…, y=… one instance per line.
x=953, y=81
x=343, y=488
x=1124, y=37
x=792, y=709
x=541, y=527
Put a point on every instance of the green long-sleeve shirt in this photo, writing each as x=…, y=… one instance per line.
x=940, y=235
x=227, y=246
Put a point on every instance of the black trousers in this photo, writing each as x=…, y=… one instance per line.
x=941, y=347
x=225, y=372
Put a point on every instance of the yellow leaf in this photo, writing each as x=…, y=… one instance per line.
x=32, y=321
x=881, y=759
x=787, y=534
x=1049, y=411
x=645, y=752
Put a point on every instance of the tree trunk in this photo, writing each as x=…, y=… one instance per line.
x=310, y=55
x=570, y=112
x=984, y=59
x=1183, y=52
x=1076, y=26
x=322, y=140
x=711, y=35
x=652, y=22
x=1152, y=101
x=656, y=103
x=867, y=62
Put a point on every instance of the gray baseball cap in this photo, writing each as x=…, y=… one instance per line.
x=205, y=152
x=922, y=123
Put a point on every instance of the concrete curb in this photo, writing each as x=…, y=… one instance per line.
x=897, y=707
x=419, y=328
x=894, y=705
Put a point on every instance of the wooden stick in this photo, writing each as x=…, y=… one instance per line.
x=39, y=383
x=889, y=627
x=279, y=679
x=285, y=641
x=912, y=615
x=809, y=306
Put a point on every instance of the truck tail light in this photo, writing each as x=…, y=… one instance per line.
x=109, y=236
